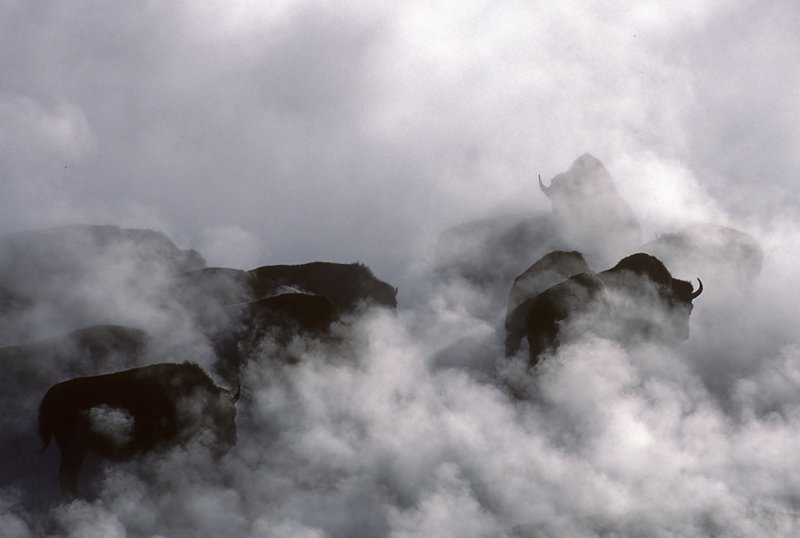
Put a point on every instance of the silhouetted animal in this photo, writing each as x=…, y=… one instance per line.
x=237, y=310
x=290, y=313
x=637, y=298
x=279, y=318
x=29, y=369
x=551, y=269
x=589, y=213
x=348, y=286
x=129, y=413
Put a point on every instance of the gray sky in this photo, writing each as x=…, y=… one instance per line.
x=292, y=131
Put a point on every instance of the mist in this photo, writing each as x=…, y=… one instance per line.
x=409, y=138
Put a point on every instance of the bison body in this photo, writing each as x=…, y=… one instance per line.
x=125, y=414
x=238, y=310
x=279, y=318
x=348, y=286
x=551, y=269
x=636, y=299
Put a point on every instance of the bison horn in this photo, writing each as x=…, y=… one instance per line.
x=238, y=394
x=545, y=190
x=697, y=293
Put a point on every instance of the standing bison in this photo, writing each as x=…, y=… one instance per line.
x=636, y=299
x=125, y=414
x=237, y=310
x=347, y=285
x=285, y=315
x=279, y=319
x=208, y=293
x=551, y=269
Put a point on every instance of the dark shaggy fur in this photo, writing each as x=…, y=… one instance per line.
x=639, y=277
x=167, y=403
x=348, y=286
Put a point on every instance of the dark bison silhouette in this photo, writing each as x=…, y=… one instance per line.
x=587, y=214
x=237, y=309
x=347, y=285
x=125, y=414
x=279, y=318
x=213, y=295
x=637, y=298
x=286, y=315
x=551, y=269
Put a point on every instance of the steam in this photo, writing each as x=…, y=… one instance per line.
x=115, y=424
x=377, y=438
x=296, y=133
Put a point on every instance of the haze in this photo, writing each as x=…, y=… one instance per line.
x=292, y=131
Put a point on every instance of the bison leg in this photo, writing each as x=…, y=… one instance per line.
x=515, y=328
x=73, y=444
x=541, y=338
x=72, y=456
x=515, y=332
x=512, y=343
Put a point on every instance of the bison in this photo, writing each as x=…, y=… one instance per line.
x=289, y=312
x=280, y=317
x=637, y=298
x=551, y=269
x=125, y=414
x=348, y=286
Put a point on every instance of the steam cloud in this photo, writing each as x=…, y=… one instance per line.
x=298, y=132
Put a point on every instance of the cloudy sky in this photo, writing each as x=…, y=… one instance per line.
x=290, y=131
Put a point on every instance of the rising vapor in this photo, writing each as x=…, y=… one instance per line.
x=218, y=151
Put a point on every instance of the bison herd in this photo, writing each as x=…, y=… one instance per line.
x=637, y=298
x=138, y=410
x=125, y=414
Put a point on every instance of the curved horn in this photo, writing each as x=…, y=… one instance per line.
x=235, y=397
x=697, y=293
x=545, y=190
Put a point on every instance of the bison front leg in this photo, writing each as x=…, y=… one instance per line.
x=515, y=329
x=74, y=446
